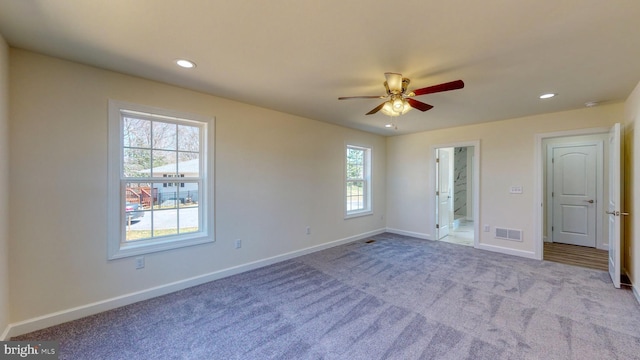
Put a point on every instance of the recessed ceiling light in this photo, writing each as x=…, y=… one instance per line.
x=547, y=96
x=185, y=63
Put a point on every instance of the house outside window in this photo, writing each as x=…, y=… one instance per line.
x=358, y=181
x=160, y=190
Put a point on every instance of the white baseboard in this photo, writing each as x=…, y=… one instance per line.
x=75, y=313
x=5, y=334
x=508, y=251
x=410, y=233
x=635, y=293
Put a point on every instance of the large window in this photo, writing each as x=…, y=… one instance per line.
x=358, y=181
x=160, y=191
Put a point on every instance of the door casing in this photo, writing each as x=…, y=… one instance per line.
x=539, y=181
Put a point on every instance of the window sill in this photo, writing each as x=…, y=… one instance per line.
x=357, y=214
x=137, y=248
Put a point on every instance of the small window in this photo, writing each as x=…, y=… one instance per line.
x=149, y=147
x=358, y=181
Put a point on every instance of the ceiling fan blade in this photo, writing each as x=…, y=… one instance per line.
x=376, y=109
x=361, y=97
x=394, y=81
x=453, y=85
x=419, y=105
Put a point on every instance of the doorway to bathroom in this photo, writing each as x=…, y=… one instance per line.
x=455, y=197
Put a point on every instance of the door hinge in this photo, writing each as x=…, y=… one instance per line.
x=437, y=160
x=437, y=193
x=552, y=194
x=437, y=226
x=551, y=227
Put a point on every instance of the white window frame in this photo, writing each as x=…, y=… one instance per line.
x=116, y=201
x=367, y=199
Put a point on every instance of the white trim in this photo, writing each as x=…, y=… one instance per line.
x=116, y=248
x=410, y=233
x=368, y=178
x=5, y=333
x=78, y=312
x=508, y=251
x=634, y=289
x=538, y=181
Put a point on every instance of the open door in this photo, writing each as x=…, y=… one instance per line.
x=614, y=211
x=444, y=191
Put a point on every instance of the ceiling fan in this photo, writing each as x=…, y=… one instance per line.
x=399, y=101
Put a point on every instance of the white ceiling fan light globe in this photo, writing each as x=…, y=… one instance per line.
x=398, y=105
x=388, y=110
x=406, y=106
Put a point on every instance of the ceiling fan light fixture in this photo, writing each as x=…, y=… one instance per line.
x=390, y=108
x=398, y=105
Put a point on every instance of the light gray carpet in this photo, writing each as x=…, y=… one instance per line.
x=395, y=298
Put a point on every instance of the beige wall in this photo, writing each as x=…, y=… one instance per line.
x=507, y=153
x=631, y=192
x=4, y=185
x=275, y=174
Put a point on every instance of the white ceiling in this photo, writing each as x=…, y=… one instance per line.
x=299, y=56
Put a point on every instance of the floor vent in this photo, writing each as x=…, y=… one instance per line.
x=509, y=234
x=369, y=241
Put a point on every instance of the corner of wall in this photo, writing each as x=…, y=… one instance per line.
x=4, y=184
x=631, y=193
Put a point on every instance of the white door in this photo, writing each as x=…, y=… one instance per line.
x=614, y=211
x=574, y=194
x=444, y=192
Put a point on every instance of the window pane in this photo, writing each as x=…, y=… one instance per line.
x=165, y=222
x=164, y=136
x=188, y=193
x=139, y=230
x=166, y=194
x=355, y=163
x=188, y=138
x=164, y=162
x=136, y=133
x=137, y=218
x=136, y=162
x=355, y=195
x=188, y=164
x=189, y=217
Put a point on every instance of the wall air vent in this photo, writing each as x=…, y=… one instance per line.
x=508, y=234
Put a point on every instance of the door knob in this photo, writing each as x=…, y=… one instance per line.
x=616, y=213
x=589, y=201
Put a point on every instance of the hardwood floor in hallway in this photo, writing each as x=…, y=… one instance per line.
x=576, y=255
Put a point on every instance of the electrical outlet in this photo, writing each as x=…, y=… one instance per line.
x=140, y=262
x=308, y=230
x=487, y=228
x=238, y=243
